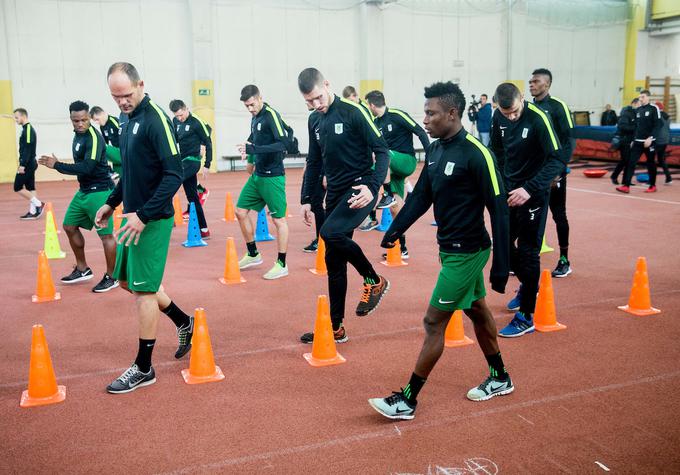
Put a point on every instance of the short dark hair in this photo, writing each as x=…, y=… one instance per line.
x=635, y=101
x=77, y=106
x=177, y=104
x=646, y=92
x=249, y=91
x=21, y=111
x=484, y=95
x=543, y=71
x=95, y=110
x=376, y=98
x=348, y=91
x=127, y=68
x=449, y=95
x=308, y=79
x=505, y=95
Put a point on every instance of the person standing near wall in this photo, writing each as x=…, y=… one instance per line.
x=110, y=129
x=608, y=116
x=625, y=131
x=484, y=114
x=662, y=139
x=24, y=180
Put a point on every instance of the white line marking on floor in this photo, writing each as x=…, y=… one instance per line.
x=603, y=466
x=526, y=420
x=622, y=195
x=397, y=429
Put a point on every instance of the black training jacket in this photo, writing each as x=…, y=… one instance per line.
x=398, y=129
x=560, y=116
x=268, y=142
x=110, y=131
x=89, y=162
x=27, y=143
x=647, y=122
x=191, y=134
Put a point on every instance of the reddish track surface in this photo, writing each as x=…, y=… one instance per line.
x=603, y=393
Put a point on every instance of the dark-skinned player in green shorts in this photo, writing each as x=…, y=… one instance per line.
x=152, y=174
x=92, y=170
x=460, y=178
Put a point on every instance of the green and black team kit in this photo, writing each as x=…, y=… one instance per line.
x=398, y=129
x=460, y=178
x=191, y=134
x=27, y=143
x=89, y=165
x=110, y=130
x=317, y=191
x=152, y=174
x=342, y=143
x=559, y=113
x=647, y=123
x=529, y=156
x=267, y=146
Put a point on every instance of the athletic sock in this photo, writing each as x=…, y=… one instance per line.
x=36, y=202
x=372, y=278
x=252, y=248
x=32, y=208
x=282, y=259
x=387, y=189
x=413, y=387
x=373, y=215
x=402, y=242
x=564, y=252
x=178, y=317
x=143, y=359
x=496, y=367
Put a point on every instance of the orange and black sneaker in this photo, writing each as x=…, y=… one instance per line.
x=339, y=335
x=371, y=296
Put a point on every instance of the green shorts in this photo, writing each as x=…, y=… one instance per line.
x=461, y=280
x=402, y=165
x=113, y=156
x=142, y=266
x=261, y=190
x=83, y=209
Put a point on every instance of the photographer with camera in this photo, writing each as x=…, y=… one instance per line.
x=484, y=113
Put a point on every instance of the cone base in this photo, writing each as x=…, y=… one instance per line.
x=456, y=343
x=200, y=243
x=267, y=238
x=316, y=362
x=28, y=401
x=550, y=328
x=640, y=312
x=189, y=378
x=318, y=272
x=231, y=282
x=229, y=220
x=36, y=299
x=546, y=249
x=59, y=255
x=394, y=264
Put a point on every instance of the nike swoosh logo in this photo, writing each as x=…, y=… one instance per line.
x=503, y=128
x=444, y=302
x=497, y=387
x=138, y=283
x=534, y=210
x=399, y=411
x=430, y=163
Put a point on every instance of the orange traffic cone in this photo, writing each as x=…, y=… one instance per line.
x=179, y=220
x=44, y=289
x=288, y=215
x=320, y=265
x=229, y=214
x=639, y=302
x=323, y=348
x=232, y=274
x=42, y=384
x=394, y=257
x=202, y=367
x=545, y=318
x=117, y=217
x=455, y=333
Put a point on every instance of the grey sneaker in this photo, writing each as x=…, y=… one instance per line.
x=184, y=335
x=489, y=388
x=395, y=406
x=131, y=379
x=369, y=225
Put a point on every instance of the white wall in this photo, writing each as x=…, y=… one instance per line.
x=659, y=56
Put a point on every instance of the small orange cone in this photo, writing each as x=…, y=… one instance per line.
x=229, y=214
x=394, y=257
x=42, y=384
x=455, y=333
x=320, y=265
x=545, y=318
x=117, y=217
x=179, y=220
x=288, y=215
x=44, y=289
x=323, y=347
x=232, y=274
x=639, y=302
x=202, y=367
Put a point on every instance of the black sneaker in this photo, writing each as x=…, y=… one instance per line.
x=615, y=181
x=313, y=246
x=404, y=254
x=184, y=335
x=77, y=276
x=131, y=379
x=563, y=268
x=386, y=201
x=107, y=283
x=340, y=336
x=39, y=211
x=27, y=217
x=371, y=296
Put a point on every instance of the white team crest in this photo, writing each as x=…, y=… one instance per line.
x=186, y=128
x=525, y=132
x=177, y=128
x=646, y=113
x=338, y=129
x=77, y=147
x=448, y=170
x=106, y=133
x=389, y=127
x=259, y=126
x=317, y=136
x=135, y=128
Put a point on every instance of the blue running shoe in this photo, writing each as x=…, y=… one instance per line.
x=513, y=305
x=519, y=326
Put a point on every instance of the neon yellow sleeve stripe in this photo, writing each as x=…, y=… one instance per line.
x=566, y=111
x=364, y=113
x=115, y=122
x=93, y=134
x=205, y=129
x=542, y=115
x=403, y=116
x=489, y=162
x=171, y=141
x=28, y=134
x=276, y=121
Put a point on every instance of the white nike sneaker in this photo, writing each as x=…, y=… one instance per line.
x=276, y=272
x=250, y=261
x=490, y=388
x=394, y=407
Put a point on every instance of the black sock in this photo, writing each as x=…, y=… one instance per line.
x=496, y=367
x=336, y=325
x=143, y=359
x=402, y=242
x=372, y=278
x=282, y=258
x=387, y=189
x=413, y=387
x=252, y=248
x=178, y=317
x=373, y=215
x=564, y=252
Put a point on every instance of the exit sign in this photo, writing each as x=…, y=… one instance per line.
x=204, y=92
